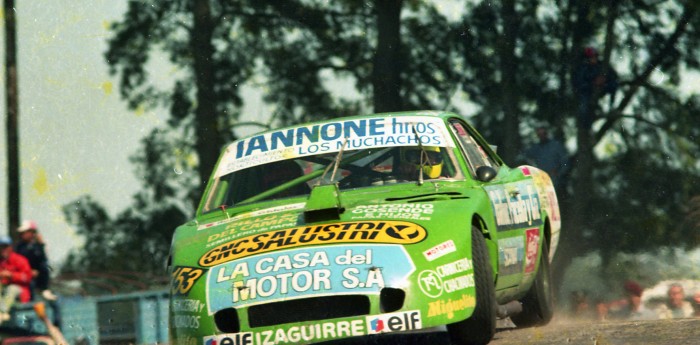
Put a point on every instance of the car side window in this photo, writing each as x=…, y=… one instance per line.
x=476, y=155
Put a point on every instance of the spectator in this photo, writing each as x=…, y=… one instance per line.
x=580, y=308
x=676, y=306
x=31, y=246
x=635, y=310
x=696, y=304
x=15, y=277
x=591, y=80
x=549, y=155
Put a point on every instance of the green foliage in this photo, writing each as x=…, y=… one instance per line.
x=137, y=239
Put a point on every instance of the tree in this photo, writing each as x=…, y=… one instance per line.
x=12, y=98
x=204, y=98
x=644, y=124
x=512, y=59
x=144, y=230
x=296, y=45
x=386, y=72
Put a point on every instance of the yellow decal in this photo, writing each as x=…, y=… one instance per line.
x=183, y=279
x=449, y=307
x=393, y=232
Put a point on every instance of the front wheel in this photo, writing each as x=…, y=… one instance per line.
x=480, y=327
x=538, y=304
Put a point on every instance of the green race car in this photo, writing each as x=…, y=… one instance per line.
x=359, y=226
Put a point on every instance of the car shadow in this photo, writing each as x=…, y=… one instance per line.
x=435, y=338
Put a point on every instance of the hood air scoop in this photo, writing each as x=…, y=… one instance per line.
x=323, y=204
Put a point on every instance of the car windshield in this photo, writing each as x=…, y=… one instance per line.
x=357, y=169
x=358, y=153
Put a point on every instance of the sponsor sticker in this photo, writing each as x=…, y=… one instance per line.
x=393, y=232
x=185, y=313
x=394, y=322
x=417, y=211
x=330, y=137
x=186, y=305
x=516, y=205
x=446, y=278
x=430, y=283
x=253, y=225
x=449, y=307
x=183, y=279
x=440, y=250
x=298, y=273
x=510, y=255
x=185, y=321
x=245, y=338
x=271, y=210
x=533, y=241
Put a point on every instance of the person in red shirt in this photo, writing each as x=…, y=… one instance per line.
x=15, y=277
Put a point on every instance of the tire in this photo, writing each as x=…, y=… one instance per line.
x=480, y=327
x=538, y=304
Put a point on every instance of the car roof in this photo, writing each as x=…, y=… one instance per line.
x=430, y=113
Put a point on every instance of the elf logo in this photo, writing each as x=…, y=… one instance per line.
x=230, y=339
x=394, y=322
x=377, y=325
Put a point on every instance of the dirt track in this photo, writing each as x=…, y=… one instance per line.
x=658, y=332
x=560, y=332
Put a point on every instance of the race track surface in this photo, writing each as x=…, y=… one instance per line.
x=564, y=332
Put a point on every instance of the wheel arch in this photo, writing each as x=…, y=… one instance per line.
x=479, y=223
x=547, y=231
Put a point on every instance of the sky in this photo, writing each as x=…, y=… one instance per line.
x=76, y=134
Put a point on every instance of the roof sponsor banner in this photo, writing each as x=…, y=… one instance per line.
x=329, y=137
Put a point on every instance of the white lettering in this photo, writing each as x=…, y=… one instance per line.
x=186, y=321
x=241, y=268
x=459, y=283
x=280, y=284
x=325, y=330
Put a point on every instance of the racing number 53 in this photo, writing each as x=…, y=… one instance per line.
x=184, y=279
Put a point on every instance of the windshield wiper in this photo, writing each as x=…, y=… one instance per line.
x=423, y=153
x=334, y=164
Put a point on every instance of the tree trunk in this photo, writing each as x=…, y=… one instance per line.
x=509, y=83
x=575, y=208
x=208, y=142
x=12, y=124
x=386, y=76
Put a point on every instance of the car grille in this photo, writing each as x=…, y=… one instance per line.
x=308, y=309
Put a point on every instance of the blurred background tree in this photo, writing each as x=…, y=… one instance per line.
x=506, y=66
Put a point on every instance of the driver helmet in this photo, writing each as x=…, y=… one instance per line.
x=432, y=159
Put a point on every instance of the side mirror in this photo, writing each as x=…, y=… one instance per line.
x=485, y=173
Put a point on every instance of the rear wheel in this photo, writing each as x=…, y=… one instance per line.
x=538, y=304
x=480, y=327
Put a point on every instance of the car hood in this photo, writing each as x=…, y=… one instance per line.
x=272, y=253
x=404, y=218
